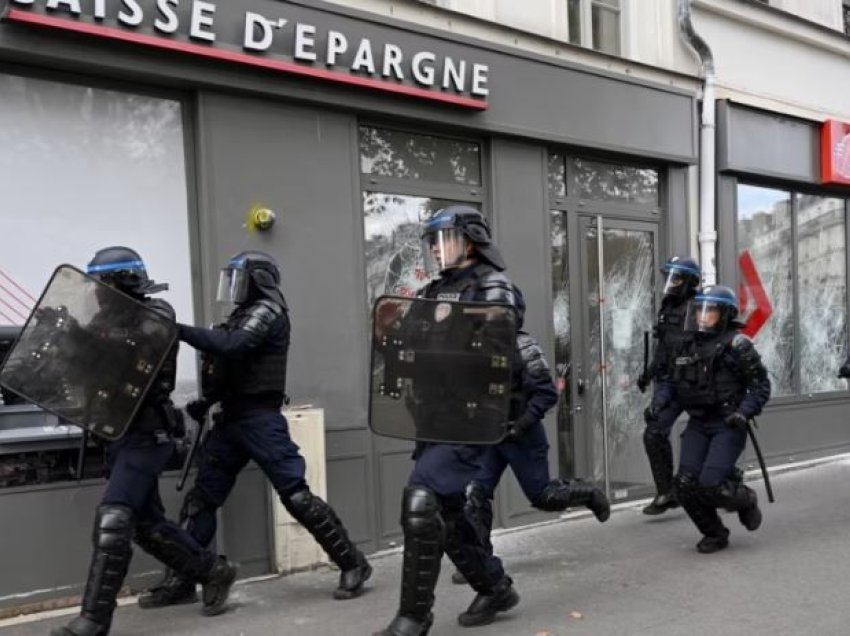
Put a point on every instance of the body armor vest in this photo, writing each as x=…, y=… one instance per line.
x=260, y=371
x=706, y=377
x=469, y=287
x=670, y=332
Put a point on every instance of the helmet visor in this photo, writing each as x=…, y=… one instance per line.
x=233, y=285
x=443, y=249
x=675, y=284
x=706, y=316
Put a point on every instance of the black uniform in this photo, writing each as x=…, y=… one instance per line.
x=720, y=381
x=670, y=335
x=245, y=362
x=131, y=508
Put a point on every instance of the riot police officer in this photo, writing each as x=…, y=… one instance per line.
x=245, y=371
x=526, y=450
x=457, y=243
x=719, y=379
x=682, y=279
x=131, y=508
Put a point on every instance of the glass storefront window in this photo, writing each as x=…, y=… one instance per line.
x=392, y=231
x=822, y=274
x=613, y=182
x=85, y=168
x=789, y=241
x=765, y=236
x=557, y=175
x=392, y=219
x=403, y=155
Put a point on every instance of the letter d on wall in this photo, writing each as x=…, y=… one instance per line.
x=251, y=42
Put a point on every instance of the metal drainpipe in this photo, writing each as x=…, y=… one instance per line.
x=707, y=228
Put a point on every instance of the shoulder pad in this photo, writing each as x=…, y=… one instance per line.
x=495, y=287
x=741, y=343
x=161, y=307
x=261, y=315
x=530, y=354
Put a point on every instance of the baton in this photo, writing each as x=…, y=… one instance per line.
x=645, y=353
x=751, y=423
x=193, y=450
x=81, y=454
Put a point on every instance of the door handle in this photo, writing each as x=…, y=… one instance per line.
x=577, y=409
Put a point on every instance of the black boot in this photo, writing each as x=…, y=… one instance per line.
x=659, y=451
x=711, y=544
x=661, y=504
x=560, y=494
x=113, y=531
x=81, y=626
x=216, y=586
x=351, y=581
x=191, y=563
x=405, y=626
x=736, y=497
x=485, y=606
x=321, y=521
x=700, y=505
x=424, y=537
x=172, y=590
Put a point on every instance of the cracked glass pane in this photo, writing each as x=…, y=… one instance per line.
x=765, y=254
x=822, y=271
x=403, y=155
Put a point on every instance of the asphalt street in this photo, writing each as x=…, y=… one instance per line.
x=633, y=575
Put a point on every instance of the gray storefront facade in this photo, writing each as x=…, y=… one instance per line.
x=782, y=221
x=351, y=130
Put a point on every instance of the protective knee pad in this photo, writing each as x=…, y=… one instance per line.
x=321, y=521
x=686, y=487
x=113, y=529
x=420, y=513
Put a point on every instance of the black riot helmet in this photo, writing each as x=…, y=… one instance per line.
x=248, y=276
x=712, y=311
x=124, y=269
x=446, y=233
x=682, y=277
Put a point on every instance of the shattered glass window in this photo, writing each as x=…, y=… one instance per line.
x=563, y=345
x=765, y=254
x=392, y=231
x=822, y=273
x=557, y=176
x=402, y=155
x=613, y=182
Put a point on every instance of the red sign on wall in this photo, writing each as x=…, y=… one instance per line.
x=752, y=289
x=835, y=152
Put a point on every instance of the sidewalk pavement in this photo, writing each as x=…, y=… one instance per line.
x=631, y=576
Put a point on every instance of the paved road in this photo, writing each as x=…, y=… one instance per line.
x=631, y=576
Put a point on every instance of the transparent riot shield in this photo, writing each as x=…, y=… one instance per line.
x=88, y=353
x=441, y=371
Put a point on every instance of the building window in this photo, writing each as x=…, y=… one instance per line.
x=405, y=178
x=792, y=261
x=85, y=168
x=595, y=24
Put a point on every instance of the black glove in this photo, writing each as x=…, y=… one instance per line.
x=197, y=409
x=518, y=428
x=844, y=371
x=736, y=420
x=643, y=382
x=650, y=414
